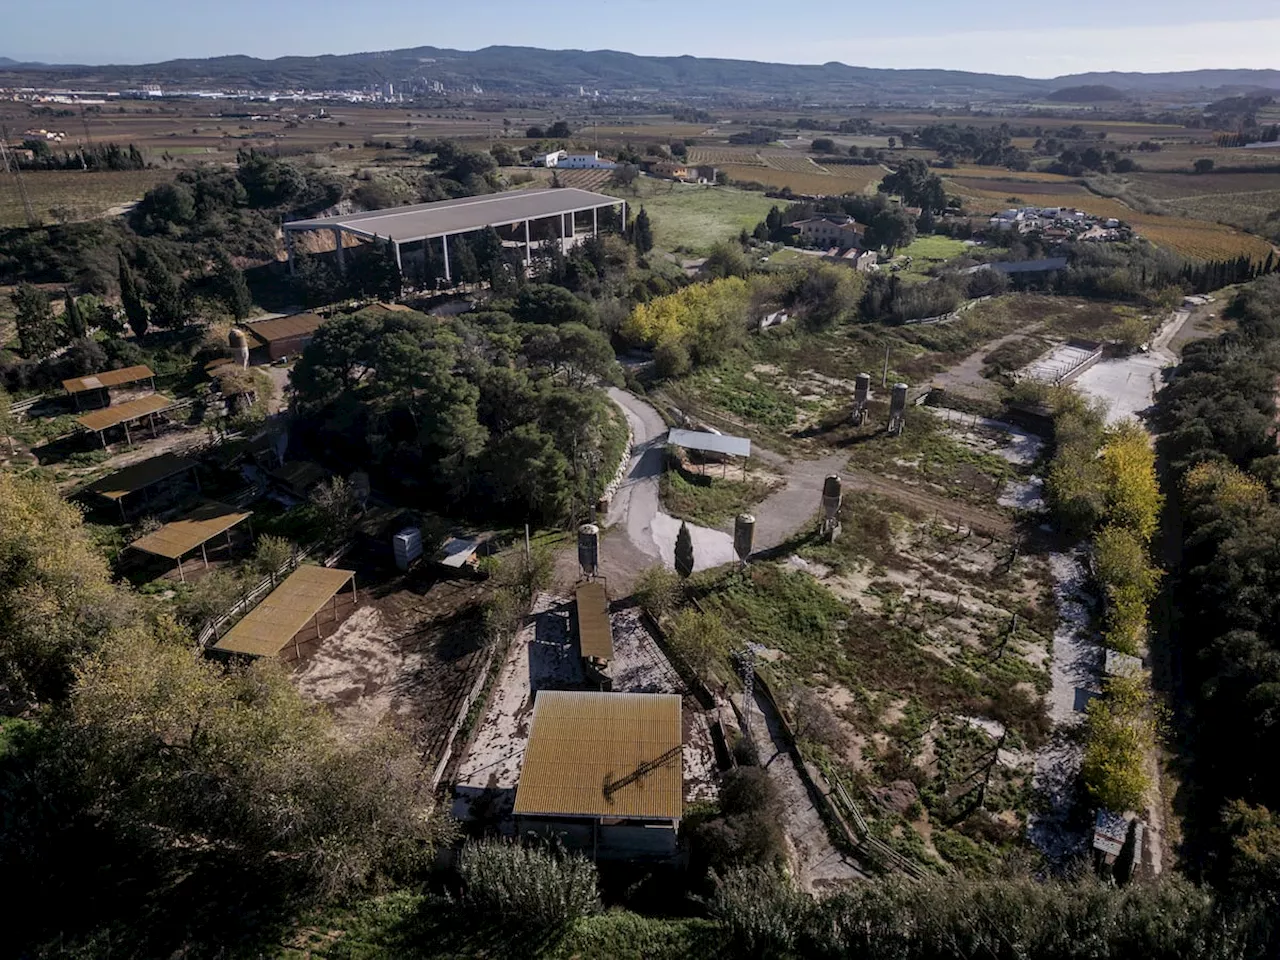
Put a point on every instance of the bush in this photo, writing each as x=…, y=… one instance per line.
x=659, y=591
x=534, y=887
x=1120, y=732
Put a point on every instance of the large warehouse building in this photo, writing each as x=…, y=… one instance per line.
x=527, y=219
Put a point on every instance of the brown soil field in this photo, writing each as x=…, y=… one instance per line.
x=62, y=196
x=1018, y=188
x=1177, y=186
x=857, y=180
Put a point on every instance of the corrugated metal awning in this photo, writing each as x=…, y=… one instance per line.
x=269, y=626
x=710, y=442
x=108, y=378
x=174, y=540
x=595, y=633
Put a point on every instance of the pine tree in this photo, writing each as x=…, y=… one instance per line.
x=232, y=289
x=684, y=551
x=37, y=330
x=642, y=232
x=134, y=309
x=74, y=320
x=164, y=291
x=464, y=266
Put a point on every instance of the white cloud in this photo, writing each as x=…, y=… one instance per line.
x=1054, y=51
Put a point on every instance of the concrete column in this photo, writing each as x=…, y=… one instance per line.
x=444, y=242
x=595, y=221
x=342, y=256
x=399, y=263
x=528, y=247
x=624, y=216
x=288, y=246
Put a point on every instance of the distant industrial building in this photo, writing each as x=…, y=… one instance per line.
x=604, y=772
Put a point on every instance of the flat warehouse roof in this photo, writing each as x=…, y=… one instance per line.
x=603, y=755
x=444, y=217
x=710, y=442
x=173, y=540
x=109, y=378
x=269, y=626
x=141, y=475
x=285, y=328
x=595, y=634
x=107, y=417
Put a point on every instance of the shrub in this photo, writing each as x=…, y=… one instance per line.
x=659, y=591
x=1120, y=731
x=534, y=887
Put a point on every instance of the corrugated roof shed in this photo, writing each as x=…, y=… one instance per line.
x=595, y=633
x=107, y=417
x=141, y=475
x=603, y=755
x=269, y=626
x=176, y=539
x=710, y=442
x=285, y=328
x=108, y=378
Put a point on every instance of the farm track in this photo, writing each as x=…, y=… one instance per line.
x=974, y=517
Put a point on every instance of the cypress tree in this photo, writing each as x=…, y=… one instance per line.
x=77, y=328
x=134, y=309
x=684, y=551
x=642, y=232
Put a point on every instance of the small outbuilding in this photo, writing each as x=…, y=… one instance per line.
x=95, y=390
x=285, y=337
x=605, y=773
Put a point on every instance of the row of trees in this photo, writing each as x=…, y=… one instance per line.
x=1218, y=416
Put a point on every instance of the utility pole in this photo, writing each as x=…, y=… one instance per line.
x=11, y=165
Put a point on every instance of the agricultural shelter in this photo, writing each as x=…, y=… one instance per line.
x=123, y=414
x=299, y=477
x=595, y=633
x=142, y=477
x=285, y=336
x=424, y=222
x=78, y=386
x=605, y=772
x=718, y=445
x=174, y=540
x=268, y=627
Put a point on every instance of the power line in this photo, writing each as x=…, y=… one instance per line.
x=11, y=166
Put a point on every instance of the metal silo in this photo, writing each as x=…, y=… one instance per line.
x=897, y=409
x=240, y=346
x=831, y=498
x=744, y=535
x=589, y=550
x=861, y=394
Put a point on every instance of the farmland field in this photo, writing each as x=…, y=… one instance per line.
x=1001, y=173
x=1018, y=188
x=693, y=218
x=722, y=155
x=816, y=183
x=67, y=195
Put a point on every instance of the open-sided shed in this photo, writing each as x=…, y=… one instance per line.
x=175, y=540
x=101, y=383
x=270, y=626
x=141, y=477
x=123, y=414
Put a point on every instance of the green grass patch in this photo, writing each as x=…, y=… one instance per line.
x=934, y=247
x=745, y=393
x=709, y=500
x=692, y=218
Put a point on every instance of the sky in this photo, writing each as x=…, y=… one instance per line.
x=991, y=36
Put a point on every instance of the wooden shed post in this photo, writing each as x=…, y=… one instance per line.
x=204, y=553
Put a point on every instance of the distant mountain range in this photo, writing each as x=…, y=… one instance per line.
x=531, y=71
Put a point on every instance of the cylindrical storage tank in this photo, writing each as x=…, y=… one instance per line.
x=589, y=548
x=744, y=535
x=898, y=402
x=831, y=497
x=862, y=387
x=240, y=346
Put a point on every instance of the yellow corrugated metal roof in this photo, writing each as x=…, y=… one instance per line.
x=595, y=635
x=173, y=540
x=285, y=328
x=268, y=627
x=107, y=417
x=108, y=378
x=603, y=755
x=141, y=475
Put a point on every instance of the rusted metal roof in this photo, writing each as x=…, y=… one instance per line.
x=107, y=417
x=174, y=540
x=595, y=634
x=108, y=378
x=603, y=755
x=141, y=475
x=285, y=328
x=268, y=627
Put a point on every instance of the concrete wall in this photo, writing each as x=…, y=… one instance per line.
x=627, y=840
